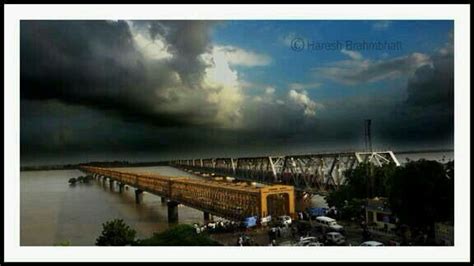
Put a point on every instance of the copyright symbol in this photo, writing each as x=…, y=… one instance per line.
x=297, y=44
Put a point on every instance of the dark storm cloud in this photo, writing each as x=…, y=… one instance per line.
x=186, y=41
x=97, y=64
x=87, y=88
x=428, y=111
x=433, y=86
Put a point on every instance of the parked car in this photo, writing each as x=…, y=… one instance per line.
x=285, y=220
x=328, y=224
x=310, y=244
x=335, y=238
x=310, y=241
x=372, y=244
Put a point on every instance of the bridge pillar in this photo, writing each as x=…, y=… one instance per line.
x=172, y=211
x=121, y=185
x=138, y=196
x=103, y=181
x=206, y=216
x=163, y=200
x=111, y=184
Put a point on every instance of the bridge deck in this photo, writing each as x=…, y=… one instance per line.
x=225, y=199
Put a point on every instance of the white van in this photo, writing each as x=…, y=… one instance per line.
x=329, y=224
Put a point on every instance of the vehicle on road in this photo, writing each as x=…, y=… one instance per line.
x=371, y=244
x=328, y=224
x=335, y=238
x=310, y=241
x=312, y=244
x=312, y=213
x=285, y=220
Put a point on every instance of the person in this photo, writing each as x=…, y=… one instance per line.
x=240, y=241
x=271, y=234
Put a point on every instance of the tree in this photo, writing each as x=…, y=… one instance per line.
x=422, y=193
x=116, y=233
x=72, y=181
x=364, y=181
x=179, y=235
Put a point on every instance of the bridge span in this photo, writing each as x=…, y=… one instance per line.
x=233, y=201
x=312, y=173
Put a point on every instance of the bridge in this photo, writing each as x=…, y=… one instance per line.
x=313, y=173
x=233, y=201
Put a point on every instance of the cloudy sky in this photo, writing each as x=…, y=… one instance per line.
x=157, y=90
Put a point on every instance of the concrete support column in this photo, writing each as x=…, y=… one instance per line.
x=121, y=185
x=172, y=211
x=111, y=184
x=103, y=180
x=206, y=216
x=138, y=196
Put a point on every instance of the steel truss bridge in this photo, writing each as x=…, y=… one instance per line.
x=229, y=200
x=312, y=173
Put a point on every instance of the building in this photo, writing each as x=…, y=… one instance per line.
x=378, y=215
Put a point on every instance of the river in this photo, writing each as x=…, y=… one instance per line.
x=52, y=211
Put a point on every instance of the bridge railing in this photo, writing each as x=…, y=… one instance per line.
x=225, y=199
x=313, y=172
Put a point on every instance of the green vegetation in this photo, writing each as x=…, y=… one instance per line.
x=423, y=193
x=63, y=243
x=80, y=179
x=420, y=192
x=179, y=235
x=84, y=179
x=117, y=233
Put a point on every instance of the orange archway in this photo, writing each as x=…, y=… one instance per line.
x=277, y=200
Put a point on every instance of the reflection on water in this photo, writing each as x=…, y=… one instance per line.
x=52, y=211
